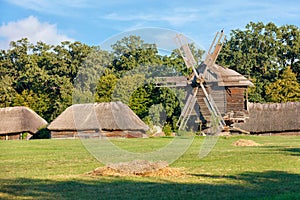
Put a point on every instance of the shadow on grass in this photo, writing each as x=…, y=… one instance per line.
x=266, y=185
x=293, y=151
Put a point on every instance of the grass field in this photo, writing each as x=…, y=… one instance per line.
x=55, y=169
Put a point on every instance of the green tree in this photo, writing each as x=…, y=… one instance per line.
x=284, y=89
x=40, y=76
x=39, y=103
x=105, y=87
x=7, y=92
x=126, y=86
x=132, y=52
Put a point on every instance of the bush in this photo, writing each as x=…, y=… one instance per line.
x=167, y=129
x=43, y=133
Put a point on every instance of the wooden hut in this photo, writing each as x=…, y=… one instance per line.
x=113, y=119
x=228, y=89
x=16, y=121
x=272, y=118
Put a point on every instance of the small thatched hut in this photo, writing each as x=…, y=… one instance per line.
x=272, y=117
x=113, y=119
x=15, y=121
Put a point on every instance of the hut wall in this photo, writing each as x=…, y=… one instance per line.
x=63, y=134
x=71, y=134
x=14, y=136
x=235, y=98
x=218, y=95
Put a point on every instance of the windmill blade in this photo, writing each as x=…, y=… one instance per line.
x=171, y=81
x=186, y=54
x=187, y=110
x=215, y=49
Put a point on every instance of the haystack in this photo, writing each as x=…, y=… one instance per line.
x=17, y=120
x=245, y=143
x=108, y=119
x=137, y=168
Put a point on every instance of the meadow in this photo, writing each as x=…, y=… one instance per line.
x=57, y=169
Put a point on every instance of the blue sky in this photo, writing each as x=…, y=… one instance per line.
x=93, y=22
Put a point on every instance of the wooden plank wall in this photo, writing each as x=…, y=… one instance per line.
x=63, y=134
x=218, y=94
x=235, y=98
x=16, y=136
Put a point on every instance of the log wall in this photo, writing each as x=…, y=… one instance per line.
x=235, y=98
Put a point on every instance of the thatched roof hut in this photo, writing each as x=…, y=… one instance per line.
x=17, y=120
x=98, y=117
x=272, y=117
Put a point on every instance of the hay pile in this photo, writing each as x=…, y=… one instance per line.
x=137, y=168
x=246, y=143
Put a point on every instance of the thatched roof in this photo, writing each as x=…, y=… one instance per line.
x=272, y=117
x=225, y=76
x=98, y=116
x=19, y=119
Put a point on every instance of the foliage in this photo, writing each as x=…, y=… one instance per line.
x=105, y=87
x=40, y=76
x=43, y=133
x=284, y=89
x=167, y=129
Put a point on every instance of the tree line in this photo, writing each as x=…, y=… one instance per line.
x=49, y=78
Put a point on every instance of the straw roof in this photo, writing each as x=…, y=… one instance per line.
x=98, y=116
x=19, y=119
x=272, y=117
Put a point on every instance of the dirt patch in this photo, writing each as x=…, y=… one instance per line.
x=137, y=168
x=247, y=143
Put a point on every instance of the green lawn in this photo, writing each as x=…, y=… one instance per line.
x=55, y=169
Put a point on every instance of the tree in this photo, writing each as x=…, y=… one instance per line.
x=131, y=52
x=40, y=76
x=105, y=87
x=126, y=86
x=284, y=89
x=39, y=103
x=7, y=92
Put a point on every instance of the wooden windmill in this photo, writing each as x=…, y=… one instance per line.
x=201, y=93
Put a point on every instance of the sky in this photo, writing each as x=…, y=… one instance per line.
x=94, y=22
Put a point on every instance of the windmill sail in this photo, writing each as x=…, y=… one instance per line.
x=191, y=63
x=185, y=52
x=187, y=111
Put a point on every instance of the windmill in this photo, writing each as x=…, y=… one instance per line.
x=200, y=91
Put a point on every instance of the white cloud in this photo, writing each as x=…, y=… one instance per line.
x=32, y=29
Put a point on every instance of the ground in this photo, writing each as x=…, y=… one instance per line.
x=57, y=169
